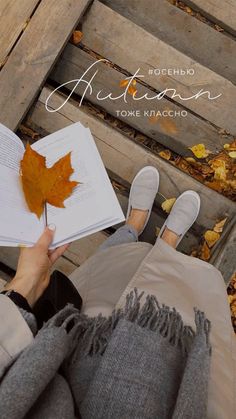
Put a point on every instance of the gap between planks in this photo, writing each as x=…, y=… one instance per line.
x=34, y=55
x=221, y=12
x=177, y=134
x=112, y=35
x=124, y=157
x=182, y=31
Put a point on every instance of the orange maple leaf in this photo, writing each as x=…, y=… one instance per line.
x=41, y=184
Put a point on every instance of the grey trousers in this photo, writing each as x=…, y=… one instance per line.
x=124, y=234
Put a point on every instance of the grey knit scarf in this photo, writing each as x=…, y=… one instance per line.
x=142, y=362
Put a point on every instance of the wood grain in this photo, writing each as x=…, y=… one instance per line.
x=125, y=157
x=80, y=250
x=9, y=256
x=180, y=30
x=13, y=16
x=131, y=48
x=34, y=55
x=177, y=133
x=221, y=12
x=2, y=280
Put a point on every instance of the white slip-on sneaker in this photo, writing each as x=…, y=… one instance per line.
x=183, y=214
x=143, y=191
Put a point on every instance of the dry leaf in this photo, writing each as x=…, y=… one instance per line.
x=28, y=131
x=76, y=37
x=132, y=91
x=211, y=237
x=188, y=10
x=41, y=184
x=124, y=82
x=199, y=150
x=168, y=204
x=232, y=154
x=218, y=228
x=218, y=28
x=157, y=231
x=190, y=159
x=220, y=173
x=165, y=154
x=153, y=119
x=205, y=252
x=168, y=125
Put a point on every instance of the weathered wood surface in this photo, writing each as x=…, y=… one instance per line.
x=221, y=12
x=13, y=17
x=34, y=55
x=121, y=41
x=224, y=258
x=125, y=157
x=74, y=256
x=180, y=30
x=2, y=280
x=175, y=133
x=80, y=250
x=9, y=256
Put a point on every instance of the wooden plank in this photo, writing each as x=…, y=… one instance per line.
x=2, y=280
x=175, y=133
x=125, y=157
x=34, y=55
x=112, y=36
x=166, y=22
x=77, y=253
x=221, y=12
x=9, y=256
x=80, y=250
x=13, y=16
x=224, y=257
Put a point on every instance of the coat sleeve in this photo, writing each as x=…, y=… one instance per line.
x=15, y=333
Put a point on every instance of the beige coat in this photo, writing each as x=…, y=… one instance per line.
x=179, y=281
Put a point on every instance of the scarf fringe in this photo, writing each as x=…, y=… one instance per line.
x=90, y=336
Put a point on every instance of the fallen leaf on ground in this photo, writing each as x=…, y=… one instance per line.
x=76, y=37
x=168, y=125
x=190, y=159
x=41, y=184
x=157, y=231
x=211, y=237
x=153, y=119
x=219, y=29
x=132, y=89
x=232, y=154
x=218, y=228
x=28, y=131
x=199, y=150
x=220, y=173
x=205, y=252
x=165, y=154
x=168, y=204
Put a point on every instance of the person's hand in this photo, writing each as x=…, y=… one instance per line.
x=33, y=270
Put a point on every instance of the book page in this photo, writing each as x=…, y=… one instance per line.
x=11, y=149
x=17, y=223
x=93, y=200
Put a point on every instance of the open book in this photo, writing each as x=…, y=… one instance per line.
x=92, y=206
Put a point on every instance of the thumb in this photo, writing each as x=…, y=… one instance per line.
x=47, y=237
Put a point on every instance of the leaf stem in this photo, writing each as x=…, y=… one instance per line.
x=45, y=209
